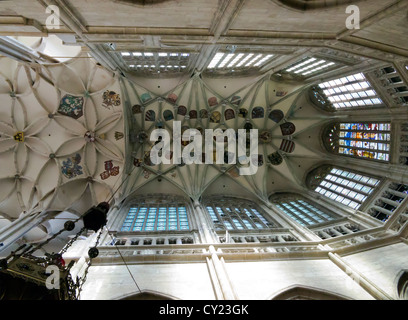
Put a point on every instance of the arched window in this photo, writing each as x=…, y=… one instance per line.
x=301, y=210
x=359, y=139
x=149, y=215
x=352, y=91
x=238, y=214
x=341, y=185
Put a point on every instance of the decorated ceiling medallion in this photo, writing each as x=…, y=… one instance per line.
x=137, y=162
x=145, y=97
x=281, y=93
x=71, y=168
x=146, y=174
x=276, y=116
x=275, y=158
x=168, y=115
x=90, y=136
x=172, y=98
x=236, y=100
x=110, y=99
x=203, y=114
x=182, y=110
x=258, y=113
x=110, y=170
x=150, y=115
x=265, y=137
x=287, y=146
x=19, y=136
x=242, y=113
x=215, y=117
x=212, y=101
x=229, y=114
x=287, y=128
x=119, y=135
x=193, y=114
x=136, y=109
x=71, y=106
x=142, y=136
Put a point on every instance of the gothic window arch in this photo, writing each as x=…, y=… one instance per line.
x=235, y=214
x=151, y=214
x=366, y=140
x=306, y=5
x=302, y=210
x=344, y=186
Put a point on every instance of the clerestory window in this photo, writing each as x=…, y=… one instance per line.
x=360, y=139
x=344, y=186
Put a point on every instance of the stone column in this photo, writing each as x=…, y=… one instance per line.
x=206, y=233
x=222, y=276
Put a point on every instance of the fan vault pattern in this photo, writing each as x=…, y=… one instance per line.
x=75, y=133
x=263, y=104
x=59, y=139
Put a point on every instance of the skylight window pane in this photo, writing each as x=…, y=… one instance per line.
x=215, y=60
x=356, y=92
x=253, y=60
x=353, y=198
x=125, y=54
x=235, y=60
x=245, y=59
x=225, y=61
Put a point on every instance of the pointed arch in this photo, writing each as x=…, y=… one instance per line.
x=146, y=295
x=299, y=292
x=307, y=5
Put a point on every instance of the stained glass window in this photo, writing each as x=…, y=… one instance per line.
x=351, y=92
x=364, y=140
x=156, y=218
x=348, y=188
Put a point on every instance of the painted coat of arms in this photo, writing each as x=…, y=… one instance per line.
x=71, y=168
x=71, y=106
x=110, y=170
x=110, y=99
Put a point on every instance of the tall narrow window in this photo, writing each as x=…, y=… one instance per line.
x=302, y=210
x=236, y=214
x=156, y=218
x=343, y=186
x=351, y=92
x=363, y=140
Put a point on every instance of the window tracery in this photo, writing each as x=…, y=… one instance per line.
x=237, y=214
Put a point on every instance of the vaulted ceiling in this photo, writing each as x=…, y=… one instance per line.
x=74, y=114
